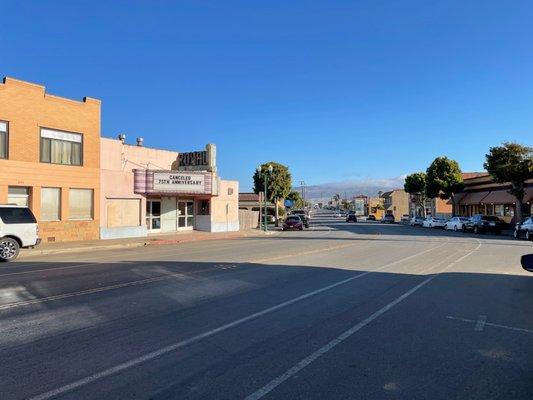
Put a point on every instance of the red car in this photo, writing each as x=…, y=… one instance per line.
x=293, y=222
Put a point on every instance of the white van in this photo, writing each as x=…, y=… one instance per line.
x=18, y=228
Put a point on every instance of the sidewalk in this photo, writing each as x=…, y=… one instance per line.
x=151, y=240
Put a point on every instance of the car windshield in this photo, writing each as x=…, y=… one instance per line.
x=294, y=218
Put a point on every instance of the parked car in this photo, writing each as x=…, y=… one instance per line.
x=405, y=218
x=388, y=219
x=371, y=217
x=524, y=229
x=351, y=217
x=483, y=223
x=434, y=222
x=293, y=222
x=18, y=228
x=303, y=215
x=416, y=221
x=455, y=224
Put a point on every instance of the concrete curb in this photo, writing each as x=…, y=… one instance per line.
x=24, y=253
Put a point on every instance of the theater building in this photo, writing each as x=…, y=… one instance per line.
x=50, y=159
x=151, y=191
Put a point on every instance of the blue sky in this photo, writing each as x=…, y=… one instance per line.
x=337, y=90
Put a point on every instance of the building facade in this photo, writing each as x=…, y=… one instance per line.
x=50, y=159
x=396, y=202
x=147, y=191
x=481, y=195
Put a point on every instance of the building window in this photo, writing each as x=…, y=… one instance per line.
x=50, y=204
x=3, y=139
x=80, y=204
x=18, y=195
x=58, y=147
x=203, y=207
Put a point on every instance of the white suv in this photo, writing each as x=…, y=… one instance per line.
x=18, y=228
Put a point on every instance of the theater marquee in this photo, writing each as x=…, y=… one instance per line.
x=174, y=182
x=179, y=182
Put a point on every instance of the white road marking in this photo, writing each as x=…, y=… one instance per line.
x=165, y=350
x=345, y=335
x=511, y=328
x=480, y=324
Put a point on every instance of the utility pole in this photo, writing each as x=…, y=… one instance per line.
x=302, y=185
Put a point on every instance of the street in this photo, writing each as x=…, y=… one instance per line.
x=339, y=311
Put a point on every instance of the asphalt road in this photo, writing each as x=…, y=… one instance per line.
x=339, y=311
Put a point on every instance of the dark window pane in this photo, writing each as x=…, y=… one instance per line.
x=3, y=145
x=45, y=150
x=17, y=215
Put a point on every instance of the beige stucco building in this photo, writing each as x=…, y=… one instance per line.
x=396, y=202
x=146, y=190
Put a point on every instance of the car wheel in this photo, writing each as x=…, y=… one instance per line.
x=431, y=226
x=528, y=235
x=476, y=230
x=463, y=228
x=455, y=228
x=9, y=249
x=301, y=228
x=516, y=234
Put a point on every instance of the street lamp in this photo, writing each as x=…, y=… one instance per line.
x=265, y=177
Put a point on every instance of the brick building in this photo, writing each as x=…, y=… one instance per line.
x=50, y=159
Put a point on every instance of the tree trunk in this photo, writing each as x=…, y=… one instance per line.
x=277, y=212
x=453, y=204
x=518, y=209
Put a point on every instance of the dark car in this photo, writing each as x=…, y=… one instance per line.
x=524, y=229
x=388, y=219
x=303, y=216
x=351, y=217
x=293, y=222
x=483, y=223
x=371, y=217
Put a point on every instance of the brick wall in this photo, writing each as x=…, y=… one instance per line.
x=27, y=107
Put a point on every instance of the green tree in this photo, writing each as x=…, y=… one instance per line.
x=511, y=163
x=279, y=182
x=444, y=179
x=296, y=197
x=415, y=185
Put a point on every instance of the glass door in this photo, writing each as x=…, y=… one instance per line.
x=153, y=215
x=185, y=214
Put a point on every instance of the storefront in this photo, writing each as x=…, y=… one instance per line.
x=482, y=195
x=183, y=194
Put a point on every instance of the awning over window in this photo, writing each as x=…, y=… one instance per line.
x=474, y=198
x=499, y=197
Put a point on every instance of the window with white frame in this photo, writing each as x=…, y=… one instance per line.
x=80, y=204
x=50, y=204
x=59, y=147
x=3, y=139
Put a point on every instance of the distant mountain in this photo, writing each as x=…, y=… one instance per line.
x=351, y=188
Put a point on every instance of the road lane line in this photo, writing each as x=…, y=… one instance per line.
x=511, y=328
x=480, y=323
x=166, y=277
x=345, y=335
x=165, y=350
